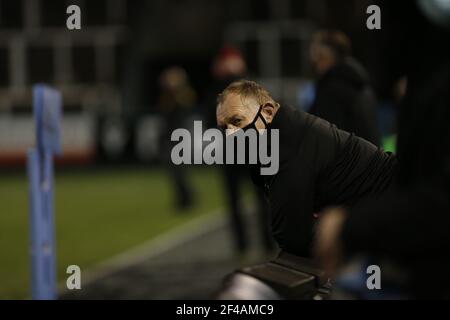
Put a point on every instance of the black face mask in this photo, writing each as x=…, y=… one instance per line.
x=254, y=168
x=253, y=123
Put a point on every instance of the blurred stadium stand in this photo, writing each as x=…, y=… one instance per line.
x=108, y=70
x=85, y=66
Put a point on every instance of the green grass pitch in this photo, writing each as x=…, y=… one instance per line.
x=99, y=213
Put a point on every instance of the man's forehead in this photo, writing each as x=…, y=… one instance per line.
x=226, y=110
x=230, y=107
x=234, y=103
x=234, y=99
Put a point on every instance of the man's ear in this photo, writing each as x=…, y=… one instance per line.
x=268, y=111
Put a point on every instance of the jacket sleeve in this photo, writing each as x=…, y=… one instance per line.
x=348, y=167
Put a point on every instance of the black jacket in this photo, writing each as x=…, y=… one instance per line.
x=344, y=97
x=320, y=166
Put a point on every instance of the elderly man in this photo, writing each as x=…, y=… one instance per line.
x=319, y=165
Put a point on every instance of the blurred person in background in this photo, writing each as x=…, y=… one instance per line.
x=176, y=99
x=228, y=66
x=344, y=95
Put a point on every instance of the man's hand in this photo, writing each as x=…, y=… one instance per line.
x=328, y=247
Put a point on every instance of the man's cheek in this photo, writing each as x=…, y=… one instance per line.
x=229, y=132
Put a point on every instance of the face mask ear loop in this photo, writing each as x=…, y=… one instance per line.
x=261, y=116
x=258, y=115
x=252, y=124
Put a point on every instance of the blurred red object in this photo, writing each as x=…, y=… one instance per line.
x=229, y=63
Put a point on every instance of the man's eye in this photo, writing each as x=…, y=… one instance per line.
x=236, y=122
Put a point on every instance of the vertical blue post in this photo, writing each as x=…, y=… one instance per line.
x=47, y=114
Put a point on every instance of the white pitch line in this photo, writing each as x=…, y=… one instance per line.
x=154, y=247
